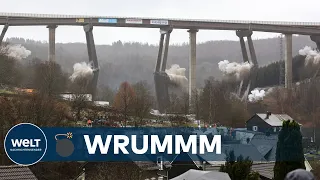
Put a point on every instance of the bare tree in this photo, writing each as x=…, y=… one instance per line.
x=143, y=100
x=124, y=100
x=115, y=170
x=49, y=78
x=196, y=103
x=79, y=97
x=217, y=106
x=185, y=106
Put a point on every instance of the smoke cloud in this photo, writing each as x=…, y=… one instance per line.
x=258, y=95
x=17, y=51
x=233, y=69
x=81, y=70
x=312, y=56
x=156, y=112
x=177, y=75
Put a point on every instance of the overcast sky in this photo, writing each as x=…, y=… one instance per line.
x=273, y=10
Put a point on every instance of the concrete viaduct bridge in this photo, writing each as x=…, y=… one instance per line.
x=242, y=29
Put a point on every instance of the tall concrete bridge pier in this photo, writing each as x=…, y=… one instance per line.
x=161, y=79
x=253, y=58
x=4, y=30
x=52, y=42
x=249, y=83
x=192, y=62
x=93, y=60
x=288, y=61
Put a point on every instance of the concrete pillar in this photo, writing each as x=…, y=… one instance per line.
x=157, y=75
x=248, y=84
x=192, y=62
x=92, y=59
x=316, y=39
x=288, y=61
x=243, y=46
x=4, y=30
x=244, y=50
x=52, y=42
x=252, y=51
x=166, y=49
x=158, y=64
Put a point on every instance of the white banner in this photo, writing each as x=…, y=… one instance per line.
x=134, y=21
x=159, y=22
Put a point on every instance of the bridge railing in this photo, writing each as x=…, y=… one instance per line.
x=191, y=20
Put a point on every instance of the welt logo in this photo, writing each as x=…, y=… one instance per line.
x=25, y=145
x=18, y=143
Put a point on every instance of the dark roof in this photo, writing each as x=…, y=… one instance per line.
x=16, y=172
x=195, y=158
x=246, y=150
x=266, y=145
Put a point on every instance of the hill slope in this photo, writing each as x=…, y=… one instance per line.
x=135, y=61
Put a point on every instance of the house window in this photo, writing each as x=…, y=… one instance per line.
x=255, y=128
x=275, y=129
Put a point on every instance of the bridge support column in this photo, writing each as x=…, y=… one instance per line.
x=52, y=42
x=93, y=60
x=192, y=62
x=4, y=30
x=288, y=61
x=240, y=34
x=248, y=84
x=166, y=50
x=316, y=39
x=252, y=51
x=161, y=79
x=158, y=64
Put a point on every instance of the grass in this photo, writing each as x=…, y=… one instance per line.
x=3, y=91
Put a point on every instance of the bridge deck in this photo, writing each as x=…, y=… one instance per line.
x=24, y=19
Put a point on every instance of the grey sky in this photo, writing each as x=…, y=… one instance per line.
x=278, y=10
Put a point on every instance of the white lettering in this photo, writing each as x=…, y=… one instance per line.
x=134, y=144
x=25, y=142
x=120, y=146
x=97, y=141
x=192, y=141
x=216, y=142
x=167, y=142
x=16, y=142
x=122, y=141
x=37, y=142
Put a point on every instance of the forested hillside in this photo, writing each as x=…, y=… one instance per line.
x=133, y=62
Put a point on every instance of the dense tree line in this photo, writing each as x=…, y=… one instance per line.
x=270, y=75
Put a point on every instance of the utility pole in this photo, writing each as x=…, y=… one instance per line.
x=210, y=104
x=281, y=62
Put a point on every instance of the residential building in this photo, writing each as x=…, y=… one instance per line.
x=267, y=122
